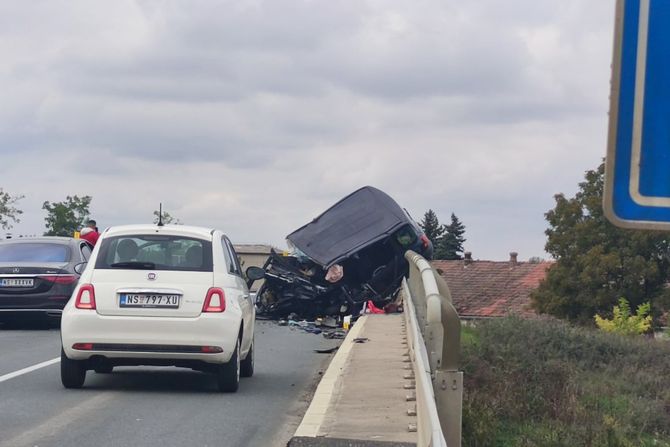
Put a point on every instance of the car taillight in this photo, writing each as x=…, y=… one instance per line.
x=85, y=297
x=59, y=279
x=215, y=301
x=83, y=346
x=425, y=240
x=211, y=349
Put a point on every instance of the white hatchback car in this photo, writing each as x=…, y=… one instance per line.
x=160, y=295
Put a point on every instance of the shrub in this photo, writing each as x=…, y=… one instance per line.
x=545, y=383
x=623, y=322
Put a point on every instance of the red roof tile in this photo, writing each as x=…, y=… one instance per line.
x=491, y=288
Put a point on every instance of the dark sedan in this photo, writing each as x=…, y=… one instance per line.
x=37, y=275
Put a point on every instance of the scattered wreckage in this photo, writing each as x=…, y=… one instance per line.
x=350, y=255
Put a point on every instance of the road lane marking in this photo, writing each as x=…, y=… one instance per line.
x=23, y=371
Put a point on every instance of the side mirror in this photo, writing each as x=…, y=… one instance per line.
x=254, y=273
x=79, y=268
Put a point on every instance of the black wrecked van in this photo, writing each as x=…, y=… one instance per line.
x=351, y=253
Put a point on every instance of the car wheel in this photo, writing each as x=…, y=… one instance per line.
x=72, y=372
x=247, y=365
x=228, y=376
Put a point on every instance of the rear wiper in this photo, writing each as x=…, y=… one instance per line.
x=134, y=265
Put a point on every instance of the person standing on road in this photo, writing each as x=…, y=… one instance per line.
x=90, y=232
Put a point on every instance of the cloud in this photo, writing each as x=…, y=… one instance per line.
x=257, y=115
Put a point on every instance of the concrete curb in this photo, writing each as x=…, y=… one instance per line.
x=326, y=391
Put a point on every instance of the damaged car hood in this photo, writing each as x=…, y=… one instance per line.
x=363, y=217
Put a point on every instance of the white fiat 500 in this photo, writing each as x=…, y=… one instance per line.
x=160, y=295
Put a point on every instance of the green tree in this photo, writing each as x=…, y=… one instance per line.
x=431, y=226
x=167, y=218
x=64, y=218
x=596, y=262
x=8, y=211
x=450, y=245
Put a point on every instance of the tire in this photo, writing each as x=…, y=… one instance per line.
x=247, y=365
x=228, y=375
x=72, y=372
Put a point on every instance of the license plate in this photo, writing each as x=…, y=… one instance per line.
x=148, y=300
x=16, y=282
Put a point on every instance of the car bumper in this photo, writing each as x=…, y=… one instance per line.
x=133, y=337
x=37, y=303
x=11, y=314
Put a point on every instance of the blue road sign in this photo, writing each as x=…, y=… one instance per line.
x=637, y=178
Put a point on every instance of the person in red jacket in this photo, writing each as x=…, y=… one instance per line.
x=90, y=232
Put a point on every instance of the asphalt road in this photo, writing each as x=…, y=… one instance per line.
x=150, y=406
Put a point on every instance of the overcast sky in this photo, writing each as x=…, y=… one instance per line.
x=255, y=116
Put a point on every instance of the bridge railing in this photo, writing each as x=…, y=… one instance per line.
x=434, y=340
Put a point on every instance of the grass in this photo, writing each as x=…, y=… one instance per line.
x=545, y=383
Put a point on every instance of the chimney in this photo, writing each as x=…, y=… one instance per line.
x=467, y=258
x=512, y=258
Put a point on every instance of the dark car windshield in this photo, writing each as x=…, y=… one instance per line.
x=34, y=252
x=406, y=236
x=155, y=252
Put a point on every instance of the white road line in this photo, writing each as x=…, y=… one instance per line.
x=23, y=371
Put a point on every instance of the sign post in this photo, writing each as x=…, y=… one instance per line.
x=637, y=169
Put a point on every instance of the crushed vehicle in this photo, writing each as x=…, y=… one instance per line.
x=350, y=254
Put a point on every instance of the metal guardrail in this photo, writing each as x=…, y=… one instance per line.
x=434, y=340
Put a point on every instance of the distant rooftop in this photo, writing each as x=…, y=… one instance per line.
x=482, y=289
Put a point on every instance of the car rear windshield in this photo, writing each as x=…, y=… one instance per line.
x=34, y=252
x=155, y=252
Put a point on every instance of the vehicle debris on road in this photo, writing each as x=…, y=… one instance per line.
x=349, y=257
x=327, y=350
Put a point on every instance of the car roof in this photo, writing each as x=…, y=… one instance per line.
x=177, y=230
x=360, y=219
x=41, y=239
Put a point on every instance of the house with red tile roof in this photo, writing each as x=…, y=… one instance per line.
x=482, y=289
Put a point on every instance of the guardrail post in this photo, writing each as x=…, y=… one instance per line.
x=448, y=386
